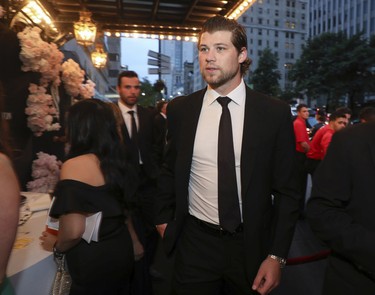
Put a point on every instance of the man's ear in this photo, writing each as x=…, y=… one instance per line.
x=243, y=55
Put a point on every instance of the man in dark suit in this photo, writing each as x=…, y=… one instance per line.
x=240, y=250
x=138, y=138
x=341, y=210
x=160, y=129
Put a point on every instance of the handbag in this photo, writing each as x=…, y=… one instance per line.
x=62, y=281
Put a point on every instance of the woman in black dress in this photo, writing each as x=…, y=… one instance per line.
x=95, y=178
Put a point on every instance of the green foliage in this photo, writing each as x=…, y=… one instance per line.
x=149, y=95
x=265, y=78
x=335, y=65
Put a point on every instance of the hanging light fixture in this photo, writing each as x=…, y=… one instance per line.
x=85, y=29
x=99, y=57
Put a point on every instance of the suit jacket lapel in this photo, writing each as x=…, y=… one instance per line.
x=189, y=129
x=252, y=133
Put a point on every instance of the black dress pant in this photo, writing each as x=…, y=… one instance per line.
x=300, y=178
x=210, y=263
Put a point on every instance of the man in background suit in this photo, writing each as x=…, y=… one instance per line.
x=138, y=138
x=241, y=252
x=341, y=210
x=160, y=129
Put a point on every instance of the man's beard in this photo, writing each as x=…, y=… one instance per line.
x=219, y=80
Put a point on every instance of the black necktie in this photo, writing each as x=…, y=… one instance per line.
x=134, y=135
x=229, y=208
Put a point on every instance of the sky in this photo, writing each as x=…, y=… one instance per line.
x=134, y=55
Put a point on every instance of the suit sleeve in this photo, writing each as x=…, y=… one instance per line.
x=286, y=197
x=330, y=209
x=166, y=203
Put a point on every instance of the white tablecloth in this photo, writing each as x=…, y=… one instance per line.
x=32, y=269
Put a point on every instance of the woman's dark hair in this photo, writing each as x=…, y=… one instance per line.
x=92, y=128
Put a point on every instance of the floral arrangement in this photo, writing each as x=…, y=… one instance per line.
x=40, y=56
x=73, y=77
x=45, y=58
x=87, y=90
x=40, y=110
x=45, y=172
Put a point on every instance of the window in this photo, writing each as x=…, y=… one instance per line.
x=260, y=21
x=113, y=57
x=259, y=42
x=276, y=12
x=276, y=33
x=244, y=19
x=276, y=23
x=276, y=44
x=113, y=73
x=259, y=31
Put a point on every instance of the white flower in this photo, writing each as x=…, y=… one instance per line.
x=45, y=172
x=72, y=76
x=40, y=56
x=40, y=110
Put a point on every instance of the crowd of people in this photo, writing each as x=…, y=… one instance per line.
x=203, y=184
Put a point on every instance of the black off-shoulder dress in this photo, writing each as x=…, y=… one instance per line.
x=102, y=267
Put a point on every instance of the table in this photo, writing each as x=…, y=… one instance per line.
x=31, y=269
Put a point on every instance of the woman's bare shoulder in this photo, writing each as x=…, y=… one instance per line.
x=84, y=168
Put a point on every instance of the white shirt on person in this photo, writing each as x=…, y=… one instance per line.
x=203, y=188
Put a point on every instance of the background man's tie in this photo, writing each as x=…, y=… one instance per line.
x=134, y=134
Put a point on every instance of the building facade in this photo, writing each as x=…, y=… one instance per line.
x=282, y=26
x=350, y=16
x=180, y=52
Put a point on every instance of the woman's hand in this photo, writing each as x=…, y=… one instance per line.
x=47, y=241
x=139, y=251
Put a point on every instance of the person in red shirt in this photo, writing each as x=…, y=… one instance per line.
x=300, y=131
x=302, y=147
x=319, y=145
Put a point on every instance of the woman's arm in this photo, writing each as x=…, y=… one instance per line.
x=72, y=225
x=9, y=211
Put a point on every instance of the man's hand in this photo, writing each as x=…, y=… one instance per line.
x=161, y=229
x=268, y=277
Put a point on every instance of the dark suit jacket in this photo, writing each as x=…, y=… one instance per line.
x=341, y=210
x=145, y=143
x=160, y=131
x=266, y=163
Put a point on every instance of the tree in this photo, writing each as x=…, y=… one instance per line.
x=334, y=65
x=149, y=95
x=265, y=78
